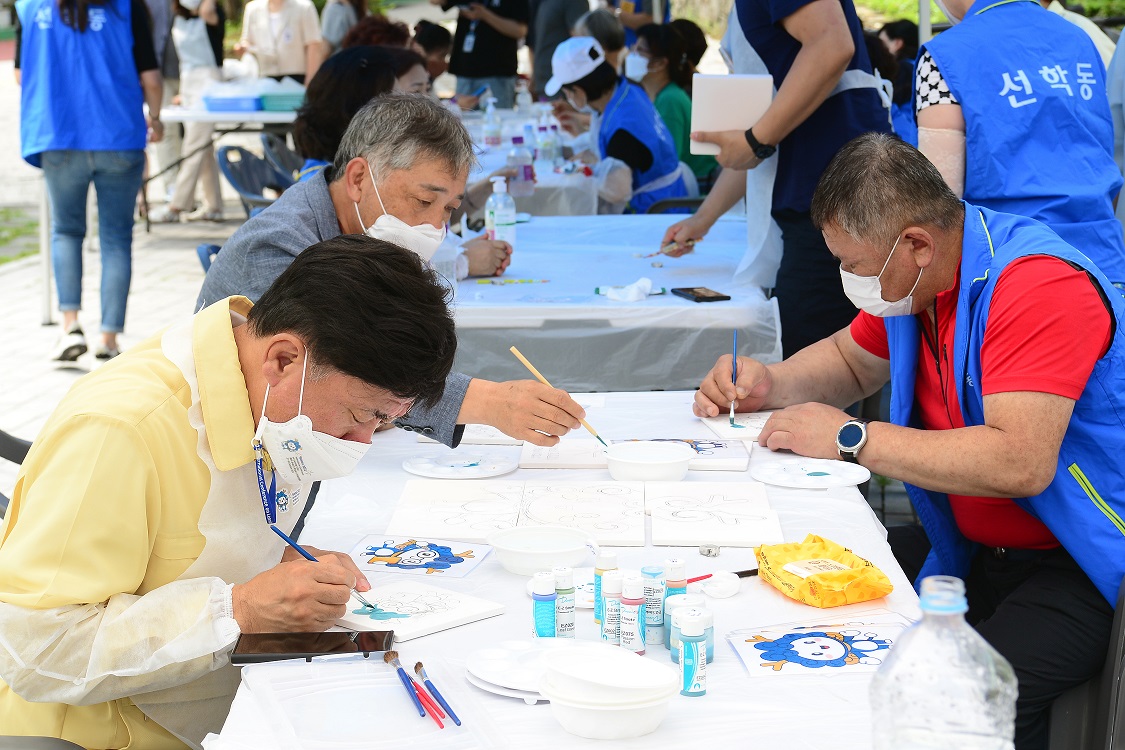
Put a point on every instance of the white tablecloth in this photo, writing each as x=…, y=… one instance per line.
x=793, y=712
x=586, y=342
x=260, y=117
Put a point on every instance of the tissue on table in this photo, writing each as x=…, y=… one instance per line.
x=634, y=292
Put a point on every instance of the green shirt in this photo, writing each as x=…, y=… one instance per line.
x=674, y=106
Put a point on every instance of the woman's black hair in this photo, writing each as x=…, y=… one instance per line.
x=905, y=31
x=597, y=83
x=695, y=41
x=665, y=42
x=366, y=308
x=403, y=60
x=343, y=84
x=432, y=37
x=881, y=58
x=377, y=30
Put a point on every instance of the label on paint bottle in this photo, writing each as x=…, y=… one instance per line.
x=693, y=667
x=611, y=622
x=564, y=616
x=654, y=610
x=633, y=628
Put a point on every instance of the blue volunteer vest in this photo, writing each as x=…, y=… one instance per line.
x=1084, y=505
x=1037, y=123
x=80, y=90
x=629, y=109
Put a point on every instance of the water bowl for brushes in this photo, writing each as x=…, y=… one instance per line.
x=648, y=460
x=526, y=550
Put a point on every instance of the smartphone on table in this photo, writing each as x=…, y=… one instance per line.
x=253, y=648
x=699, y=294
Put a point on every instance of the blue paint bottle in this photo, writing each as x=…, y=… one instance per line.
x=543, y=604
x=605, y=561
x=693, y=653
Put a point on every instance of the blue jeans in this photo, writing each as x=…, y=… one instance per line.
x=503, y=88
x=117, y=177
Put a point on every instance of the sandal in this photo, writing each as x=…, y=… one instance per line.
x=205, y=215
x=166, y=215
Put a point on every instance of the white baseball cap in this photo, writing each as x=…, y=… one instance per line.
x=573, y=60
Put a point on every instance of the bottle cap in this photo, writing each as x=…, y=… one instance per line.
x=652, y=571
x=632, y=588
x=679, y=601
x=543, y=584
x=606, y=559
x=677, y=569
x=564, y=577
x=691, y=622
x=612, y=581
x=517, y=140
x=542, y=128
x=499, y=184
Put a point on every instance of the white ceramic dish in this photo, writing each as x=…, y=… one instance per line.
x=647, y=460
x=516, y=665
x=599, y=722
x=463, y=466
x=810, y=473
x=605, y=677
x=526, y=550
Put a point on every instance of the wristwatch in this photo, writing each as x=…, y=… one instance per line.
x=761, y=150
x=851, y=438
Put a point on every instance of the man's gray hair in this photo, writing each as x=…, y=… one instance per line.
x=877, y=185
x=396, y=131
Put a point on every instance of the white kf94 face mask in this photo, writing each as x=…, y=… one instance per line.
x=301, y=454
x=423, y=240
x=636, y=67
x=866, y=292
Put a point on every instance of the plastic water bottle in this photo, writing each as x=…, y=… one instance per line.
x=523, y=98
x=529, y=141
x=942, y=685
x=520, y=159
x=445, y=261
x=500, y=213
x=548, y=147
x=492, y=125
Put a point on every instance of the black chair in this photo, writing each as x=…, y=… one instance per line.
x=284, y=159
x=1091, y=716
x=15, y=450
x=251, y=175
x=669, y=204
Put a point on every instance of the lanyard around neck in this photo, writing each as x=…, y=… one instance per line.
x=269, y=495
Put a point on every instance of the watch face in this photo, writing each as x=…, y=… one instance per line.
x=850, y=435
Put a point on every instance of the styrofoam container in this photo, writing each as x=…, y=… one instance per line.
x=526, y=550
x=607, y=677
x=649, y=460
x=606, y=722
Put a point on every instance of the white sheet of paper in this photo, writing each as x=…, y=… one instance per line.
x=729, y=514
x=451, y=509
x=748, y=425
x=418, y=556
x=413, y=610
x=568, y=453
x=727, y=102
x=713, y=455
x=807, y=651
x=613, y=513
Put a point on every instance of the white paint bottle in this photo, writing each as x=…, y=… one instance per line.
x=564, y=603
x=612, y=582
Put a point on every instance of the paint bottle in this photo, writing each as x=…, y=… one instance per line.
x=693, y=653
x=606, y=560
x=611, y=611
x=633, y=614
x=671, y=604
x=654, y=603
x=543, y=604
x=564, y=602
x=708, y=632
x=675, y=578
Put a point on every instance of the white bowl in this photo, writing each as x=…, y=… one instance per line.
x=607, y=676
x=526, y=550
x=649, y=460
x=601, y=722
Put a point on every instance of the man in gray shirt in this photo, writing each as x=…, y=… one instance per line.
x=548, y=26
x=407, y=157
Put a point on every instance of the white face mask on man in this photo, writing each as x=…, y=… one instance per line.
x=301, y=454
x=423, y=240
x=866, y=292
x=636, y=67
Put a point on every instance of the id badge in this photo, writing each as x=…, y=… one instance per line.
x=469, y=43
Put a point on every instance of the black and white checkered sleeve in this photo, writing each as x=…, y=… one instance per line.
x=930, y=85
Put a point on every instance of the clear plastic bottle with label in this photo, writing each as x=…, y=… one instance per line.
x=529, y=140
x=492, y=124
x=521, y=160
x=524, y=102
x=942, y=685
x=500, y=213
x=444, y=260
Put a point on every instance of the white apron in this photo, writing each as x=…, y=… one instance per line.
x=239, y=545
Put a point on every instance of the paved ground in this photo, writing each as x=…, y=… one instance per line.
x=166, y=279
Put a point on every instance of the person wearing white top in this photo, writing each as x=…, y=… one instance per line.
x=284, y=36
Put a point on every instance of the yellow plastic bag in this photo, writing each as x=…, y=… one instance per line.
x=821, y=573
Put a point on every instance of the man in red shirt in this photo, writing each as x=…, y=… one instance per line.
x=1038, y=323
